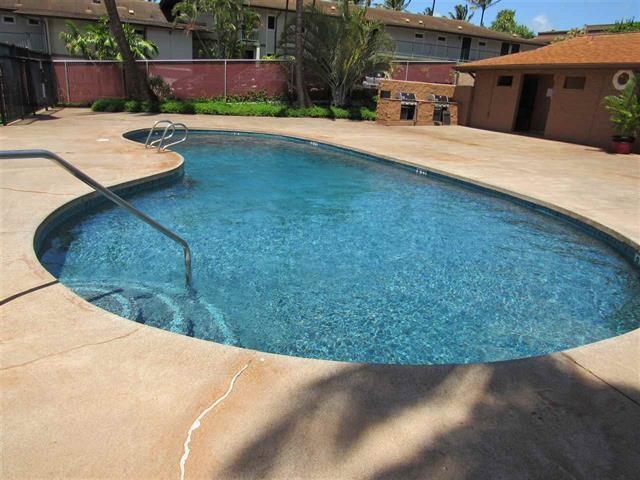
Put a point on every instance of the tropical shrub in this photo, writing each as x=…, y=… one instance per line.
x=339, y=51
x=624, y=110
x=95, y=41
x=211, y=107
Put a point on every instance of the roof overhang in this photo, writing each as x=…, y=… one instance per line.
x=553, y=66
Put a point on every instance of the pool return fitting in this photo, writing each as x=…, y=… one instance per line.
x=83, y=177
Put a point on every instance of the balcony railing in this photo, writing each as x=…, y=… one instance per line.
x=252, y=36
x=405, y=49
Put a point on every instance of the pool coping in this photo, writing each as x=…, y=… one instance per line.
x=575, y=355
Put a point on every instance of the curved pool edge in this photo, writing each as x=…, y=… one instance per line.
x=592, y=227
x=111, y=392
x=157, y=180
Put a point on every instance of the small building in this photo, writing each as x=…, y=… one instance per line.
x=416, y=103
x=555, y=91
x=37, y=24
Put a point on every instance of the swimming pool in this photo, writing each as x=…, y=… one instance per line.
x=317, y=252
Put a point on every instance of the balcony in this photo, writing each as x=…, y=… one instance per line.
x=408, y=50
x=251, y=37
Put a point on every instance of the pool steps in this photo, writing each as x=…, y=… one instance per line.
x=104, y=191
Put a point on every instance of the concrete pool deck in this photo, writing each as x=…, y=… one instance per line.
x=87, y=394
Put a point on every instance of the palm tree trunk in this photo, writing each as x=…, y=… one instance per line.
x=135, y=83
x=300, y=90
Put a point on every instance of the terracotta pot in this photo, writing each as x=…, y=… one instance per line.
x=622, y=144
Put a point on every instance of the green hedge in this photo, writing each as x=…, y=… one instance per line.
x=215, y=107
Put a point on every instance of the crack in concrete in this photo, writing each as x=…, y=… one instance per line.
x=36, y=191
x=197, y=422
x=70, y=350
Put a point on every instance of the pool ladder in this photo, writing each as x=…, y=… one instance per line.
x=83, y=177
x=169, y=131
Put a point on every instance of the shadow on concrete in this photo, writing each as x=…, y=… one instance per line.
x=536, y=418
x=40, y=116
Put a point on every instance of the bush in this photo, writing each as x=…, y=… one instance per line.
x=117, y=105
x=101, y=105
x=211, y=107
x=132, y=106
x=176, y=106
x=241, y=109
x=150, y=107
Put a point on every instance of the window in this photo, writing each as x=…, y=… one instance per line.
x=515, y=47
x=419, y=35
x=33, y=21
x=574, y=83
x=8, y=19
x=271, y=22
x=505, y=81
x=385, y=93
x=482, y=44
x=442, y=39
x=504, y=50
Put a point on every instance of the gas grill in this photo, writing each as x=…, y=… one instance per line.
x=441, y=114
x=408, y=98
x=407, y=106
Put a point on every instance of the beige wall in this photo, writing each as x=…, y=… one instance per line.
x=494, y=108
x=575, y=116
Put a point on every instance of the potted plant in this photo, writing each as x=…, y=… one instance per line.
x=625, y=116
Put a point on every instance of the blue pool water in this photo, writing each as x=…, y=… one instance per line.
x=314, y=252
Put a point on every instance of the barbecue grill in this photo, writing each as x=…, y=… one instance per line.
x=441, y=114
x=408, y=98
x=407, y=106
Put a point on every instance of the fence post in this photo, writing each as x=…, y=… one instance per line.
x=225, y=80
x=147, y=64
x=406, y=72
x=66, y=79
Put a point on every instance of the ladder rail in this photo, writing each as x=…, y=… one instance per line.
x=149, y=144
x=83, y=177
x=183, y=139
x=168, y=132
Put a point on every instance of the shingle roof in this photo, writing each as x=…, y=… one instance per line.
x=393, y=18
x=614, y=50
x=144, y=13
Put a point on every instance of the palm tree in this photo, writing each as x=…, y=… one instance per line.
x=341, y=50
x=95, y=42
x=231, y=22
x=135, y=82
x=461, y=13
x=301, y=92
x=482, y=5
x=430, y=10
x=397, y=5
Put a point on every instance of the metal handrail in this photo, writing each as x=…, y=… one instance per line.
x=169, y=132
x=149, y=144
x=83, y=177
x=173, y=131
